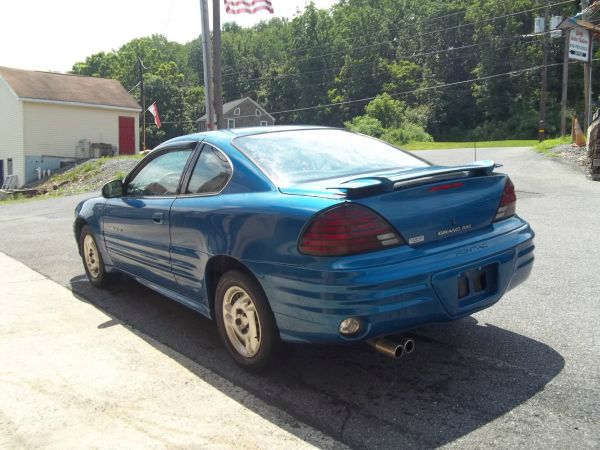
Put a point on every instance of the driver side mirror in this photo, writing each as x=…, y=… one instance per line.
x=113, y=189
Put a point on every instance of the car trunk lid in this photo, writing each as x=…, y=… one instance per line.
x=424, y=204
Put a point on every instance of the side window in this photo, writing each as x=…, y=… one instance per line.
x=211, y=173
x=160, y=176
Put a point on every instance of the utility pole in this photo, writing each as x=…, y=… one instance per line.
x=208, y=95
x=542, y=128
x=143, y=96
x=217, y=100
x=565, y=85
x=587, y=71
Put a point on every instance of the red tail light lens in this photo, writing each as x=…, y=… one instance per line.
x=348, y=229
x=508, y=203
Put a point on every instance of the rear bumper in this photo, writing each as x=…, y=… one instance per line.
x=399, y=289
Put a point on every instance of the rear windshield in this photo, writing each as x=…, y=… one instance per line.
x=291, y=157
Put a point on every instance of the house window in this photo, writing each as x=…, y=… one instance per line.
x=230, y=123
x=263, y=123
x=9, y=166
x=202, y=126
x=236, y=112
x=258, y=112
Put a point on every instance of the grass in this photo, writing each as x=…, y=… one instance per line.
x=89, y=169
x=120, y=175
x=20, y=198
x=451, y=145
x=546, y=147
x=86, y=169
x=78, y=173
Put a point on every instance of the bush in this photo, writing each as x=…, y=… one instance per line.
x=410, y=132
x=365, y=125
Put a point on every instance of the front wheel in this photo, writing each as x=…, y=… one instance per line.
x=245, y=321
x=92, y=259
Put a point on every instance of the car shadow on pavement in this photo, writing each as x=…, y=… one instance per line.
x=462, y=375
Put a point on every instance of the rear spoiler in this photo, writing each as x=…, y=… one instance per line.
x=364, y=187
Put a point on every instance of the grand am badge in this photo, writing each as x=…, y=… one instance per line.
x=454, y=230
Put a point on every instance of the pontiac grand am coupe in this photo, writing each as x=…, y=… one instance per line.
x=308, y=235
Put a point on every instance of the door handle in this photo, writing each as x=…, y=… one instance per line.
x=158, y=218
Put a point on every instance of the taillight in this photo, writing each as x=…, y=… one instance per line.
x=508, y=203
x=347, y=230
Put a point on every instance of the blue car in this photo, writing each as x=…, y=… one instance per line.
x=308, y=235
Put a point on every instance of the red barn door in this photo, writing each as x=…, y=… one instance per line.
x=126, y=135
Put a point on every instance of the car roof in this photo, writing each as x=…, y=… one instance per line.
x=231, y=133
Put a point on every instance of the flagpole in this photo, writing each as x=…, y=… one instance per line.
x=208, y=96
x=218, y=100
x=143, y=98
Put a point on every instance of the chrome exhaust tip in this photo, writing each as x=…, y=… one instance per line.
x=408, y=344
x=388, y=347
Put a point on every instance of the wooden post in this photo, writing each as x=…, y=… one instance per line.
x=543, y=95
x=565, y=85
x=587, y=79
x=217, y=73
x=207, y=66
x=587, y=72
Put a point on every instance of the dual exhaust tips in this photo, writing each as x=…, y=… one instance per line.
x=394, y=348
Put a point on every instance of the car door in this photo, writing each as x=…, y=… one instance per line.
x=195, y=228
x=136, y=225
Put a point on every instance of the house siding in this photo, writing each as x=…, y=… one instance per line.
x=11, y=131
x=55, y=129
x=247, y=116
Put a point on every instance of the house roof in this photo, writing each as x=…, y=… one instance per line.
x=234, y=104
x=59, y=87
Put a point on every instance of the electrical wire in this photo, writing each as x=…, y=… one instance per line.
x=370, y=75
x=428, y=88
x=408, y=57
x=380, y=43
x=398, y=94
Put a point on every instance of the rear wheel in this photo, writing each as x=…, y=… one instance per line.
x=92, y=259
x=245, y=321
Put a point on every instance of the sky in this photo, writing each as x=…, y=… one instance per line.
x=54, y=34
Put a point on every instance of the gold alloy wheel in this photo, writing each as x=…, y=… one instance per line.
x=241, y=321
x=90, y=253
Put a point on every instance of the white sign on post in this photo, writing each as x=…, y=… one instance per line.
x=579, y=44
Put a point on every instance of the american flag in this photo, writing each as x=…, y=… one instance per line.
x=247, y=6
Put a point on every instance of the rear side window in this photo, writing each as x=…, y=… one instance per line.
x=211, y=173
x=160, y=176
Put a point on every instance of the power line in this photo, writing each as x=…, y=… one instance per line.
x=428, y=88
x=399, y=57
x=169, y=17
x=439, y=30
x=371, y=75
x=378, y=32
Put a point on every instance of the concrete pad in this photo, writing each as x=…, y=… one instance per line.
x=72, y=377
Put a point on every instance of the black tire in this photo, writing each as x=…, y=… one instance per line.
x=269, y=341
x=99, y=278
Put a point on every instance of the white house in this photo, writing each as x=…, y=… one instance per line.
x=47, y=119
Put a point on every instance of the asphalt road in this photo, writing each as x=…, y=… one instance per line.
x=525, y=372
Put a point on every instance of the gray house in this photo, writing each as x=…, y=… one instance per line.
x=240, y=113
